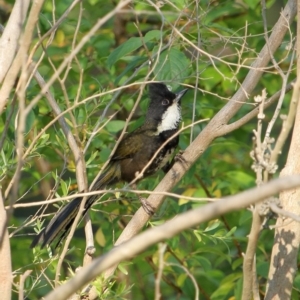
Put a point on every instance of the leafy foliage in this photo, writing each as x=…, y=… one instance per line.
x=212, y=48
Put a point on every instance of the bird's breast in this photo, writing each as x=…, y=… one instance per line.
x=150, y=154
x=161, y=160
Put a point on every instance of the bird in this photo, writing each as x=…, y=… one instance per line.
x=133, y=154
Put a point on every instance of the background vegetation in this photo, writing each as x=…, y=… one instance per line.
x=93, y=58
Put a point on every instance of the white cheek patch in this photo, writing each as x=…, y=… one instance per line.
x=170, y=118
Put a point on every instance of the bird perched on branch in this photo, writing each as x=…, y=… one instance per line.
x=131, y=157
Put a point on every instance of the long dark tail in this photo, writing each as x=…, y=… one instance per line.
x=61, y=223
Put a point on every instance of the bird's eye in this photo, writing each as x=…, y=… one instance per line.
x=165, y=102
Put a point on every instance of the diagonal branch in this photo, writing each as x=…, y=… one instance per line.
x=216, y=128
x=160, y=233
x=9, y=41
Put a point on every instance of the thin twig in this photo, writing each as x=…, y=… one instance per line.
x=161, y=250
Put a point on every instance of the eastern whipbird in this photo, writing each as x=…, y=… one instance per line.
x=132, y=155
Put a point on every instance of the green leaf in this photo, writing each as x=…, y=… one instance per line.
x=153, y=34
x=115, y=126
x=124, y=49
x=204, y=262
x=123, y=267
x=135, y=62
x=104, y=154
x=238, y=289
x=242, y=178
x=81, y=116
x=64, y=187
x=297, y=282
x=29, y=121
x=181, y=279
x=131, y=45
x=44, y=139
x=231, y=232
x=263, y=268
x=223, y=290
x=172, y=65
x=212, y=225
x=198, y=235
x=237, y=263
x=252, y=3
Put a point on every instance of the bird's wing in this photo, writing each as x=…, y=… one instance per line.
x=131, y=144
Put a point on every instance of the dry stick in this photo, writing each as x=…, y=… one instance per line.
x=255, y=281
x=75, y=36
x=190, y=275
x=9, y=41
x=5, y=254
x=283, y=213
x=22, y=282
x=26, y=39
x=217, y=127
x=176, y=225
x=245, y=119
x=161, y=251
x=101, y=192
x=285, y=130
x=165, y=278
x=248, y=263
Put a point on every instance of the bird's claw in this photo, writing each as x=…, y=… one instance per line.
x=149, y=209
x=179, y=158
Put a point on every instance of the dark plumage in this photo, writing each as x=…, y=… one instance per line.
x=133, y=153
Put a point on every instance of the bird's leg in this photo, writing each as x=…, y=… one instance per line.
x=149, y=209
x=177, y=158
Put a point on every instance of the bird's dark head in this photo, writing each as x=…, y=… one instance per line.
x=164, y=107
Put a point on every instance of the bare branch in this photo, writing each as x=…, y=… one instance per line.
x=22, y=282
x=215, y=128
x=21, y=56
x=9, y=41
x=248, y=264
x=157, y=234
x=281, y=212
x=5, y=261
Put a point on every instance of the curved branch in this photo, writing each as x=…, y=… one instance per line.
x=216, y=128
x=160, y=233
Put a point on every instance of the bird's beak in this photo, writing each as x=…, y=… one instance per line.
x=180, y=94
